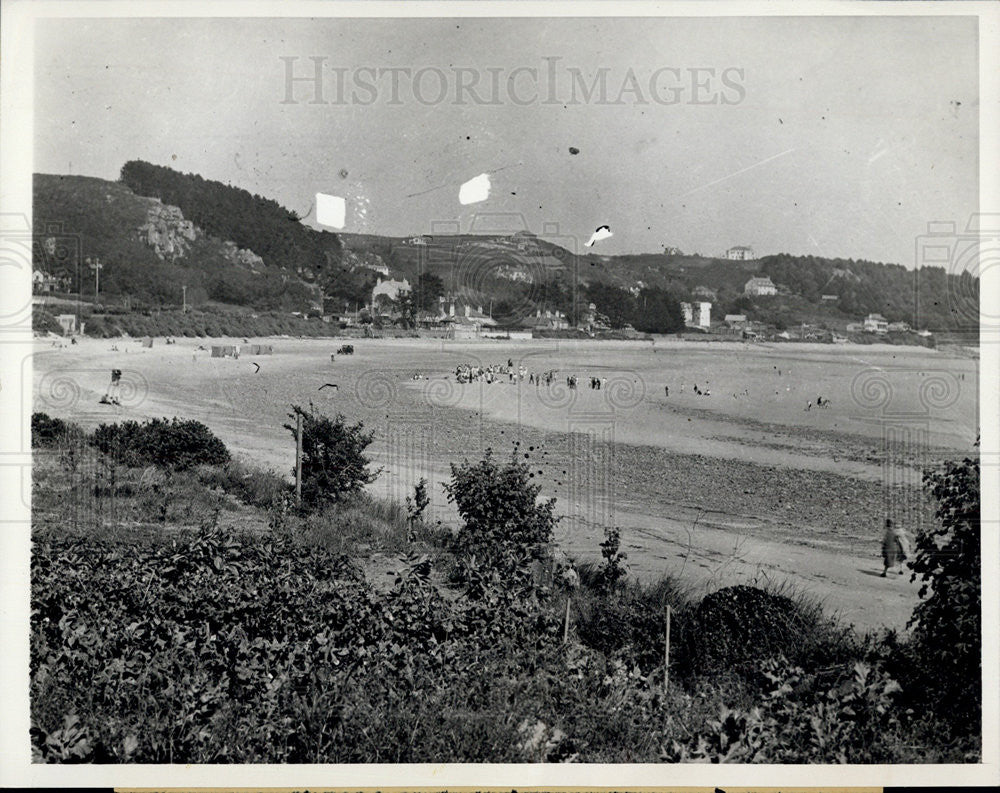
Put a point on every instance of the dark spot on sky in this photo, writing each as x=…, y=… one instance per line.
x=343, y=173
x=574, y=150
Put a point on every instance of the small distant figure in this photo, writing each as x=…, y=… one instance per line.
x=809, y=405
x=666, y=390
x=895, y=547
x=113, y=395
x=73, y=340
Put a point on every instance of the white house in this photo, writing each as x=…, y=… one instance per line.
x=876, y=323
x=740, y=253
x=736, y=320
x=390, y=288
x=760, y=287
x=899, y=327
x=698, y=315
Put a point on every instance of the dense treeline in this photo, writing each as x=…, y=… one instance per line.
x=925, y=298
x=653, y=310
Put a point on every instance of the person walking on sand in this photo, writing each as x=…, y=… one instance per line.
x=895, y=547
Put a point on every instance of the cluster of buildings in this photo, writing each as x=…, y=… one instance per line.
x=876, y=323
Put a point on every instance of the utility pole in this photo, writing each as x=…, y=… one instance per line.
x=184, y=298
x=96, y=266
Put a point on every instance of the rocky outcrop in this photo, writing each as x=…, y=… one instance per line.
x=171, y=236
x=242, y=257
x=167, y=232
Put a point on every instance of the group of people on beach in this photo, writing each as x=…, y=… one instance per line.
x=492, y=373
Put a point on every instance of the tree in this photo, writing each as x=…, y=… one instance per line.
x=334, y=465
x=428, y=289
x=657, y=311
x=947, y=623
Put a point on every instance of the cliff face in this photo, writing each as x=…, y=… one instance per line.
x=170, y=235
x=167, y=232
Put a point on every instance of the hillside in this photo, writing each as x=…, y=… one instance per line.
x=149, y=248
x=157, y=229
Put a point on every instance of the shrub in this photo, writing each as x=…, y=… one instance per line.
x=251, y=485
x=415, y=506
x=333, y=459
x=43, y=322
x=613, y=569
x=500, y=509
x=947, y=630
x=49, y=431
x=737, y=626
x=173, y=444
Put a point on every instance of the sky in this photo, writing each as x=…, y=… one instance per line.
x=831, y=136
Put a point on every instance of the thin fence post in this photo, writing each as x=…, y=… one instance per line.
x=298, y=459
x=566, y=623
x=666, y=655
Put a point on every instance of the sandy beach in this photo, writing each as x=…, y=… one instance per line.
x=745, y=485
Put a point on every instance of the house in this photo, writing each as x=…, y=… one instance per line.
x=740, y=253
x=672, y=251
x=829, y=298
x=390, y=288
x=760, y=287
x=737, y=321
x=705, y=292
x=43, y=283
x=510, y=272
x=423, y=239
x=546, y=320
x=452, y=315
x=899, y=327
x=876, y=323
x=698, y=315
x=855, y=327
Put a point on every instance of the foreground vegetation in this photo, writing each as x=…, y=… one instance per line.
x=183, y=610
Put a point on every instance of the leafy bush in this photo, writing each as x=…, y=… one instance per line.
x=947, y=629
x=804, y=718
x=44, y=322
x=613, y=570
x=334, y=465
x=501, y=512
x=49, y=431
x=737, y=626
x=175, y=444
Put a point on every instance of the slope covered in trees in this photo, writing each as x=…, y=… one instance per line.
x=231, y=213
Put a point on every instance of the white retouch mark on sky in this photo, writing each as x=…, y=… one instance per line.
x=737, y=173
x=475, y=190
x=331, y=210
x=602, y=233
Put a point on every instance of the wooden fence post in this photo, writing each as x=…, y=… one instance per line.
x=666, y=655
x=298, y=459
x=566, y=623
